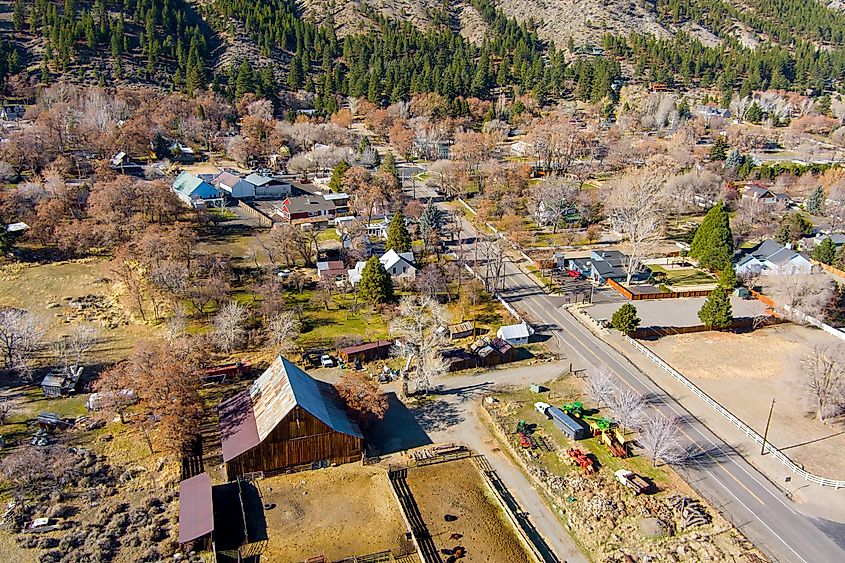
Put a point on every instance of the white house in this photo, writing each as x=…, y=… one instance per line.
x=770, y=258
x=398, y=264
x=515, y=335
x=234, y=186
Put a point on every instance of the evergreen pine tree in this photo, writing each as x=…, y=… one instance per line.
x=727, y=277
x=815, y=201
x=398, y=237
x=825, y=251
x=431, y=220
x=625, y=319
x=716, y=311
x=336, y=181
x=713, y=244
x=719, y=150
x=375, y=285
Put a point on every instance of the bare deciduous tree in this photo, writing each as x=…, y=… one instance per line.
x=229, y=329
x=601, y=386
x=824, y=370
x=660, y=438
x=283, y=329
x=629, y=408
x=21, y=335
x=635, y=209
x=417, y=325
x=81, y=340
x=553, y=199
x=800, y=295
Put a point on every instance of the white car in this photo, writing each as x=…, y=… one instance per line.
x=542, y=407
x=283, y=273
x=326, y=361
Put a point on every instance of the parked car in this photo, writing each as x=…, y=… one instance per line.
x=284, y=273
x=574, y=274
x=326, y=361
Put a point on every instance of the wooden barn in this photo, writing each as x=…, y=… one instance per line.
x=286, y=421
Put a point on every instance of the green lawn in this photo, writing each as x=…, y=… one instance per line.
x=690, y=276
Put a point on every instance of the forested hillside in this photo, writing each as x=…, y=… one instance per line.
x=385, y=55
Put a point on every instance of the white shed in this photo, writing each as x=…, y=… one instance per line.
x=515, y=335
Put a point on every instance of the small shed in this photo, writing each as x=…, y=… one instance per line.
x=493, y=351
x=61, y=383
x=516, y=335
x=458, y=359
x=366, y=352
x=461, y=330
x=566, y=424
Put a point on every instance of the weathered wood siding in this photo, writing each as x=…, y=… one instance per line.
x=300, y=439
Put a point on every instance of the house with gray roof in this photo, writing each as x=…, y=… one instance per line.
x=770, y=258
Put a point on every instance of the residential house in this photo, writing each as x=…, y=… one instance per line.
x=521, y=149
x=195, y=191
x=16, y=228
x=124, y=164
x=285, y=421
x=763, y=194
x=709, y=112
x=182, y=153
x=770, y=258
x=606, y=265
x=269, y=187
x=340, y=200
x=307, y=209
x=234, y=186
x=399, y=264
x=517, y=335
x=227, y=519
x=12, y=112
x=331, y=270
x=809, y=243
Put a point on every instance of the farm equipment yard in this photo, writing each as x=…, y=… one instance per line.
x=614, y=501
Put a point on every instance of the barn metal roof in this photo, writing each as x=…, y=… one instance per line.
x=249, y=417
x=196, y=514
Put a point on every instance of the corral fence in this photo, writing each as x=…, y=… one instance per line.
x=747, y=430
x=742, y=324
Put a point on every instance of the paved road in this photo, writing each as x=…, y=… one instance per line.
x=740, y=492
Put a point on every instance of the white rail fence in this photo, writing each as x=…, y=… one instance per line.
x=747, y=430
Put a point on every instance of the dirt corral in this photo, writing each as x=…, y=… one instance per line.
x=337, y=512
x=453, y=499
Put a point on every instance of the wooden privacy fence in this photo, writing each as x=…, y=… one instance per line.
x=747, y=430
x=630, y=296
x=263, y=219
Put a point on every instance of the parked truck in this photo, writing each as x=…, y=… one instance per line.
x=632, y=481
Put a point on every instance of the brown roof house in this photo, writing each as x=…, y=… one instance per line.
x=286, y=421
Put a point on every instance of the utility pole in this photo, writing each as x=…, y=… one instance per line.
x=766, y=433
